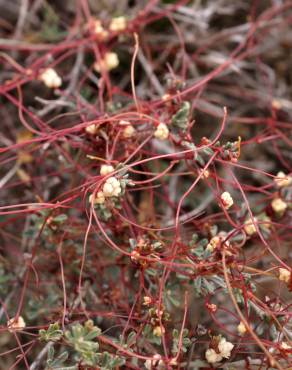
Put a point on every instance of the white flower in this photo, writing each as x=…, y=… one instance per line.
x=108, y=62
x=284, y=275
x=283, y=180
x=249, y=226
x=279, y=206
x=118, y=24
x=241, y=328
x=124, y=123
x=112, y=187
x=91, y=129
x=129, y=131
x=16, y=324
x=146, y=300
x=99, y=30
x=99, y=198
x=205, y=173
x=227, y=200
x=161, y=131
x=225, y=348
x=50, y=78
x=213, y=243
x=165, y=97
x=105, y=169
x=286, y=346
x=212, y=356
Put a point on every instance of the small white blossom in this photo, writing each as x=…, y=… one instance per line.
x=227, y=200
x=165, y=97
x=50, y=78
x=105, y=169
x=15, y=324
x=213, y=243
x=99, y=198
x=161, y=131
x=129, y=131
x=225, y=348
x=284, y=275
x=124, y=122
x=241, y=328
x=205, y=173
x=107, y=63
x=249, y=226
x=118, y=24
x=212, y=356
x=286, y=346
x=91, y=129
x=112, y=187
x=146, y=300
x=279, y=206
x=99, y=30
x=283, y=180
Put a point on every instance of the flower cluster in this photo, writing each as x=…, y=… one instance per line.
x=161, y=131
x=283, y=180
x=50, y=78
x=223, y=350
x=109, y=61
x=226, y=200
x=118, y=24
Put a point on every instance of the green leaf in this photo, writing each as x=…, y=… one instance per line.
x=53, y=333
x=180, y=118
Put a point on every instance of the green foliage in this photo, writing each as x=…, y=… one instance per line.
x=53, y=333
x=203, y=287
x=50, y=30
x=180, y=118
x=58, y=362
x=81, y=339
x=175, y=341
x=110, y=362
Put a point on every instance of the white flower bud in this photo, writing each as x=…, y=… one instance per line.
x=105, y=169
x=50, y=78
x=99, y=198
x=15, y=324
x=161, y=132
x=146, y=300
x=107, y=63
x=279, y=206
x=286, y=346
x=205, y=173
x=249, y=226
x=241, y=328
x=129, y=131
x=118, y=24
x=91, y=129
x=284, y=275
x=212, y=356
x=112, y=187
x=165, y=97
x=227, y=200
x=283, y=180
x=99, y=30
x=213, y=244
